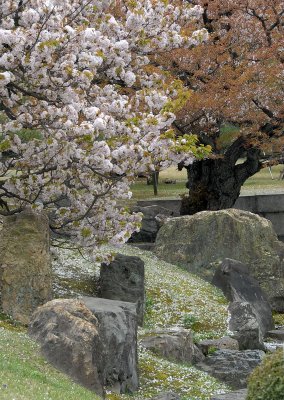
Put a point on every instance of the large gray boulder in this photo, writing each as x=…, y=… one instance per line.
x=174, y=345
x=201, y=241
x=243, y=322
x=233, y=278
x=92, y=340
x=68, y=335
x=118, y=333
x=25, y=264
x=153, y=218
x=123, y=279
x=231, y=366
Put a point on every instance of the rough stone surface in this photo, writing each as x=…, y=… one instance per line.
x=243, y=322
x=201, y=241
x=167, y=396
x=174, y=345
x=25, y=264
x=68, y=334
x=118, y=333
x=153, y=218
x=225, y=342
x=233, y=278
x=231, y=366
x=123, y=279
x=237, y=395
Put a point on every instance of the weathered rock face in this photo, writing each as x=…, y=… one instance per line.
x=174, y=345
x=243, y=322
x=200, y=241
x=92, y=340
x=25, y=264
x=237, y=395
x=233, y=278
x=68, y=335
x=118, y=334
x=123, y=279
x=231, y=366
x=225, y=342
x=153, y=219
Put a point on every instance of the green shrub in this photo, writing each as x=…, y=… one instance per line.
x=267, y=380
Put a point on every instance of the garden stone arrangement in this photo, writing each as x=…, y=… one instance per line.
x=94, y=340
x=94, y=97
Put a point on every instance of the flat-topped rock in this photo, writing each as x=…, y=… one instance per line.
x=276, y=334
x=174, y=345
x=237, y=395
x=225, y=342
x=231, y=366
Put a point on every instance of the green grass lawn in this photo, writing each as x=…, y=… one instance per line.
x=260, y=181
x=25, y=375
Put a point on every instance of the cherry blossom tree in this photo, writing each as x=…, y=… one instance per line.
x=83, y=110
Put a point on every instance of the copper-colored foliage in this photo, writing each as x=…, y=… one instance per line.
x=237, y=76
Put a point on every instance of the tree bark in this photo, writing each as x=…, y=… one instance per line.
x=215, y=183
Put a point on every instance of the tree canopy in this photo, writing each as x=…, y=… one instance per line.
x=236, y=104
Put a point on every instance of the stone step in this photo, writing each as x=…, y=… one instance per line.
x=276, y=334
x=237, y=395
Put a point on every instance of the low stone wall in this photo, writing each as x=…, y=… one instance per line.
x=269, y=206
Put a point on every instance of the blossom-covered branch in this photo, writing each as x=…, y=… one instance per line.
x=82, y=113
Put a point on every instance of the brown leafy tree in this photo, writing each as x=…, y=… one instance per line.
x=237, y=80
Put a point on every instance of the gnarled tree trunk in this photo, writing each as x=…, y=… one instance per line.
x=215, y=183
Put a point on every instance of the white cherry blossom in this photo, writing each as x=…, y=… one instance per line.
x=80, y=115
